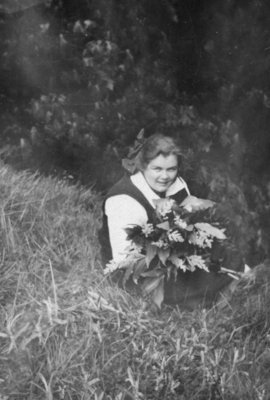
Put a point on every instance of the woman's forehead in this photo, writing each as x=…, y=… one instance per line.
x=168, y=161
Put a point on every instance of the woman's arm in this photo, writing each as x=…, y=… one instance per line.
x=122, y=211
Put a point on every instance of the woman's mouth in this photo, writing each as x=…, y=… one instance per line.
x=163, y=183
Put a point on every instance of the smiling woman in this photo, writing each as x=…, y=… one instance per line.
x=134, y=202
x=131, y=201
x=161, y=172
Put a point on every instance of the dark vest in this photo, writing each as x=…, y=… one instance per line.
x=125, y=186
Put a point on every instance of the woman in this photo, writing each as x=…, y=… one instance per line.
x=131, y=202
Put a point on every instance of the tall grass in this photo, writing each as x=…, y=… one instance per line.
x=67, y=333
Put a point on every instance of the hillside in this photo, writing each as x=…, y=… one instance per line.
x=67, y=333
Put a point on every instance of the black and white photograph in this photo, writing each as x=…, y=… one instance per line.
x=134, y=200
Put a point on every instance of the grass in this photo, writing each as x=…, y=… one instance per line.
x=67, y=333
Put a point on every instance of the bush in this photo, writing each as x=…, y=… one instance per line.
x=87, y=85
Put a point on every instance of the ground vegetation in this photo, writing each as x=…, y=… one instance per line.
x=68, y=333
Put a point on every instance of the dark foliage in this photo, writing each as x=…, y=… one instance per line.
x=79, y=80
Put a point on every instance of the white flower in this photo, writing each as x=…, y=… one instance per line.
x=161, y=244
x=208, y=241
x=110, y=267
x=175, y=236
x=164, y=206
x=200, y=239
x=197, y=261
x=147, y=229
x=181, y=223
x=211, y=230
x=179, y=263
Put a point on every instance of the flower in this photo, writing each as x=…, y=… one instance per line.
x=161, y=244
x=111, y=266
x=147, y=229
x=175, y=236
x=196, y=261
x=181, y=223
x=178, y=240
x=164, y=206
x=179, y=263
x=201, y=239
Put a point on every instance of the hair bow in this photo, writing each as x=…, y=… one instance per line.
x=129, y=163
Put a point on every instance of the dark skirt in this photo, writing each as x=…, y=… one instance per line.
x=192, y=289
x=195, y=289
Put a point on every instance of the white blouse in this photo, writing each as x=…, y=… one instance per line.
x=123, y=211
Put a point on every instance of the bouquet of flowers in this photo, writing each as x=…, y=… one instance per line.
x=180, y=238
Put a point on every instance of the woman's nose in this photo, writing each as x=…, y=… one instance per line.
x=164, y=174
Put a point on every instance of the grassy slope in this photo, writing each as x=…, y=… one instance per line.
x=66, y=333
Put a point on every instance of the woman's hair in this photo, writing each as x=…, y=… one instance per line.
x=154, y=146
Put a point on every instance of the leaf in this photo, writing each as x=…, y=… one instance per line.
x=151, y=252
x=192, y=203
x=150, y=284
x=163, y=255
x=129, y=264
x=158, y=294
x=140, y=135
x=133, y=232
x=211, y=230
x=139, y=268
x=110, y=84
x=197, y=261
x=128, y=273
x=154, y=273
x=178, y=262
x=164, y=225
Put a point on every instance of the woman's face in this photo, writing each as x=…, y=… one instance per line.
x=161, y=172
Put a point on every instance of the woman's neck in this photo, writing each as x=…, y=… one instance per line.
x=162, y=195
